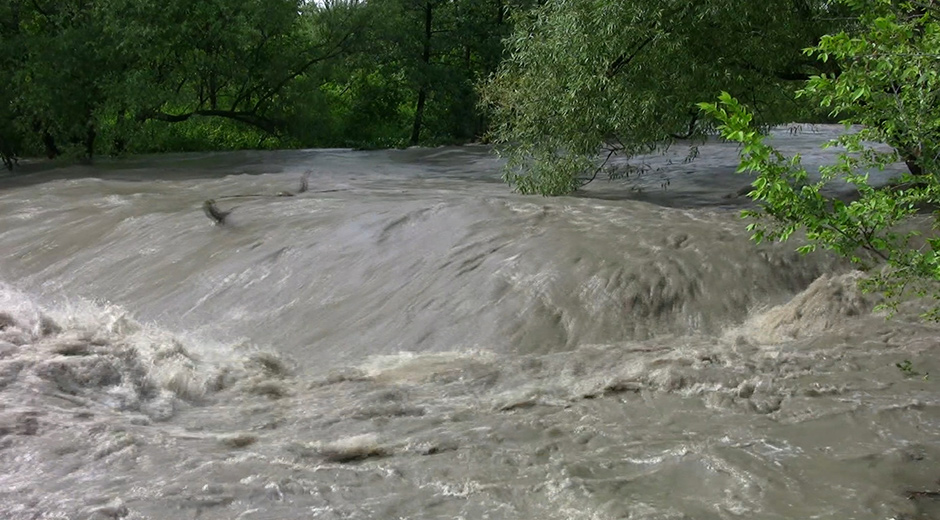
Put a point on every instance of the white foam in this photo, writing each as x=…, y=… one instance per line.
x=101, y=354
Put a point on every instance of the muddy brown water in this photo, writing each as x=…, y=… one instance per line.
x=409, y=339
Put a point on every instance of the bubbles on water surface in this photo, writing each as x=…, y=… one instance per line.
x=82, y=388
x=444, y=349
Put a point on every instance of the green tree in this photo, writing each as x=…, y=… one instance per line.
x=234, y=59
x=10, y=49
x=887, y=76
x=108, y=76
x=82, y=68
x=56, y=55
x=889, y=83
x=436, y=51
x=585, y=77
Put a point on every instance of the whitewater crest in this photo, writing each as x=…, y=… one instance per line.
x=99, y=356
x=86, y=389
x=827, y=303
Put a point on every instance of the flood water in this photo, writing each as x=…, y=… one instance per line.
x=410, y=339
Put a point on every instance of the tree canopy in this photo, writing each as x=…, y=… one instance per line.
x=584, y=77
x=888, y=85
x=80, y=68
x=107, y=76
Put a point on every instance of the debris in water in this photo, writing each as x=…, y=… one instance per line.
x=914, y=495
x=218, y=216
x=350, y=449
x=238, y=440
x=115, y=509
x=213, y=212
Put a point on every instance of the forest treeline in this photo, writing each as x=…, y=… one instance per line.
x=87, y=77
x=555, y=84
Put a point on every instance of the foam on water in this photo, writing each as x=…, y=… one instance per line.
x=102, y=355
x=81, y=385
x=601, y=431
x=432, y=346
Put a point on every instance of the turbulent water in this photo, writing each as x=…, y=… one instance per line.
x=409, y=339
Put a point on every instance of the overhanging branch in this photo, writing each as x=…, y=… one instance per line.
x=691, y=129
x=268, y=125
x=623, y=60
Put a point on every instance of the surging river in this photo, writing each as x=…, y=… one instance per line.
x=409, y=339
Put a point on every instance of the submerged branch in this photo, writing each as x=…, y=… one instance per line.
x=213, y=212
x=585, y=182
x=218, y=216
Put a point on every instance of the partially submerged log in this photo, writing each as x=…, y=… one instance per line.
x=217, y=216
x=214, y=213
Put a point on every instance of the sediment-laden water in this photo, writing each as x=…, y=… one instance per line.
x=409, y=339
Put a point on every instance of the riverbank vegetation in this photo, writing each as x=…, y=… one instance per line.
x=888, y=84
x=585, y=80
x=553, y=83
x=589, y=79
x=90, y=77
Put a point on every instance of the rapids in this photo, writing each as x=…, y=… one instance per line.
x=409, y=339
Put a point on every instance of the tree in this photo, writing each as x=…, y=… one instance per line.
x=81, y=68
x=9, y=49
x=54, y=74
x=889, y=82
x=886, y=67
x=441, y=49
x=234, y=59
x=113, y=76
x=622, y=76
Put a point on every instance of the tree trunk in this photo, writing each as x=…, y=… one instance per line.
x=119, y=143
x=52, y=151
x=419, y=114
x=7, y=154
x=425, y=61
x=911, y=158
x=7, y=157
x=90, y=135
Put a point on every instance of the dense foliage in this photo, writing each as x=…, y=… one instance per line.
x=586, y=77
x=107, y=76
x=889, y=81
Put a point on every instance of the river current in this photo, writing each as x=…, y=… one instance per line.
x=410, y=339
